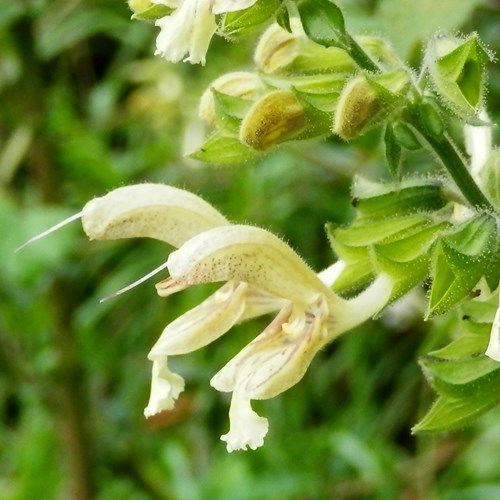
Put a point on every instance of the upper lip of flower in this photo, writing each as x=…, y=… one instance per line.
x=249, y=254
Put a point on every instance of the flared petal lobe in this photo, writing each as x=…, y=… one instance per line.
x=165, y=388
x=247, y=429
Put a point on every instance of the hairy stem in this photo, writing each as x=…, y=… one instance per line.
x=452, y=160
x=443, y=148
x=360, y=56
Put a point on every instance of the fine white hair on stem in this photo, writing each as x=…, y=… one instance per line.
x=52, y=229
x=135, y=283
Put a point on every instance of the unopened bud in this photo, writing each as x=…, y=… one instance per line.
x=366, y=100
x=274, y=118
x=281, y=52
x=357, y=106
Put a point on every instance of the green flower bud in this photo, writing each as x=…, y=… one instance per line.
x=457, y=71
x=274, y=118
x=366, y=100
x=281, y=52
x=358, y=105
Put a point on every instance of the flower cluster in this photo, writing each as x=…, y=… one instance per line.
x=261, y=275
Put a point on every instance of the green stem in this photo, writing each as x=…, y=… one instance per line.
x=443, y=147
x=452, y=160
x=359, y=55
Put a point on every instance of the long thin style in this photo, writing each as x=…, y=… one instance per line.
x=59, y=225
x=135, y=283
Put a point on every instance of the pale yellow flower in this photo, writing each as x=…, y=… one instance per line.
x=185, y=34
x=262, y=274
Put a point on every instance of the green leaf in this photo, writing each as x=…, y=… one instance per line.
x=224, y=150
x=319, y=91
x=229, y=111
x=359, y=235
x=460, y=260
x=323, y=22
x=469, y=345
x=358, y=272
x=242, y=22
x=451, y=413
x=405, y=136
x=406, y=256
x=283, y=17
x=409, y=245
x=231, y=106
x=460, y=377
x=153, y=13
x=406, y=274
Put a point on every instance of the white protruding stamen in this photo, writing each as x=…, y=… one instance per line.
x=135, y=283
x=59, y=225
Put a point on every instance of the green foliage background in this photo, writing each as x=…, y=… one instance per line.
x=84, y=108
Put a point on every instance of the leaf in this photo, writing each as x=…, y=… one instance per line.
x=460, y=377
x=459, y=261
x=224, y=150
x=153, y=13
x=450, y=413
x=323, y=22
x=360, y=235
x=244, y=21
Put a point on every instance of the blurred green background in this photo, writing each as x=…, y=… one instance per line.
x=84, y=108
